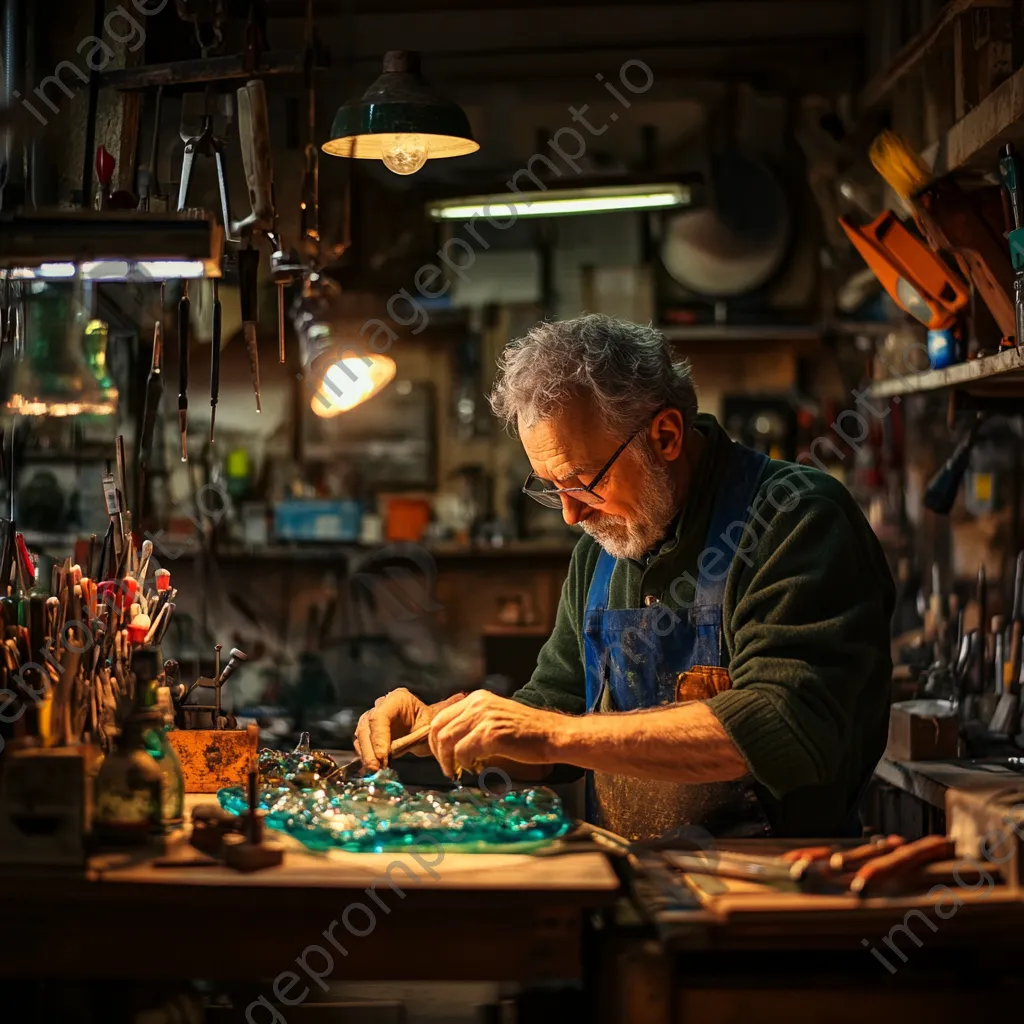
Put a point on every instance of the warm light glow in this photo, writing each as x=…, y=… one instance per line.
x=350, y=381
x=25, y=406
x=561, y=202
x=403, y=153
x=113, y=270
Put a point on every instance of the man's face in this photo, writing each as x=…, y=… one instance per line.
x=569, y=449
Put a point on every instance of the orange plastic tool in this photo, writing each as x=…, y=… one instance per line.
x=918, y=279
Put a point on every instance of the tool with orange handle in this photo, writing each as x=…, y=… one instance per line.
x=916, y=278
x=903, y=860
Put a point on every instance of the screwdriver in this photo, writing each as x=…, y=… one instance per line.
x=184, y=307
x=215, y=357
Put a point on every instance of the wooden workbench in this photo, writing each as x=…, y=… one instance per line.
x=454, y=916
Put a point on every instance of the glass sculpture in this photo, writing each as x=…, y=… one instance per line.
x=303, y=795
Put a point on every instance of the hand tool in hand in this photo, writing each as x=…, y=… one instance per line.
x=184, y=309
x=154, y=389
x=248, y=273
x=882, y=871
x=942, y=489
x=398, y=747
x=215, y=357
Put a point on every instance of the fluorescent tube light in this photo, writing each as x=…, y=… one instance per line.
x=561, y=202
x=113, y=270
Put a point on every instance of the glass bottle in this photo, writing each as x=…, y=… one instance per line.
x=127, y=801
x=146, y=665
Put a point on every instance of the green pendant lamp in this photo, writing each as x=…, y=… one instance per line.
x=400, y=120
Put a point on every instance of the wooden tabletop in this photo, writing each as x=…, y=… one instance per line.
x=439, y=915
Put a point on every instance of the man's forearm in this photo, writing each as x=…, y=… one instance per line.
x=685, y=743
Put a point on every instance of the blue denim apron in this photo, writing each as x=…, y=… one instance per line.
x=636, y=658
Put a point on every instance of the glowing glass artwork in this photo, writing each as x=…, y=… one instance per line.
x=378, y=813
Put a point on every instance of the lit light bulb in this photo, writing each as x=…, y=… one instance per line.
x=403, y=153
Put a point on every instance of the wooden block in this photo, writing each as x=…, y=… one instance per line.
x=46, y=804
x=919, y=732
x=987, y=823
x=214, y=758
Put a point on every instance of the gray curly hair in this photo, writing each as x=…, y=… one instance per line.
x=626, y=368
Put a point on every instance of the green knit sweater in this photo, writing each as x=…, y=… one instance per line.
x=806, y=635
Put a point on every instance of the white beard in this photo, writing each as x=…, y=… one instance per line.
x=633, y=538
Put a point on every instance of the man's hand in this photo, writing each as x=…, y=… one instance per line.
x=483, y=727
x=394, y=715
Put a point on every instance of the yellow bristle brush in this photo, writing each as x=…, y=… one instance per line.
x=903, y=170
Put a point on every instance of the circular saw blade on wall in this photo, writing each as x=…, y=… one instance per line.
x=737, y=243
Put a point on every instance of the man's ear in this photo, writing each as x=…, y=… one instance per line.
x=668, y=434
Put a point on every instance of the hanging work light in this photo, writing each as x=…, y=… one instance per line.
x=400, y=120
x=338, y=377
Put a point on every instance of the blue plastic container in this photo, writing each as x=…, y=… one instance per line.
x=318, y=520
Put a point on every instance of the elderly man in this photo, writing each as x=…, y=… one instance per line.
x=720, y=656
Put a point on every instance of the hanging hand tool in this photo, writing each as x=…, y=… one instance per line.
x=943, y=488
x=184, y=309
x=248, y=272
x=1012, y=175
x=215, y=357
x=151, y=198
x=206, y=144
x=154, y=388
x=104, y=176
x=254, y=136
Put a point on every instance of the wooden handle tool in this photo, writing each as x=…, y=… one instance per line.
x=843, y=861
x=902, y=861
x=398, y=747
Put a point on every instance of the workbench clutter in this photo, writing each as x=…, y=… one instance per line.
x=311, y=798
x=965, y=697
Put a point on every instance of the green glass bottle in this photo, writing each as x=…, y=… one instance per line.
x=127, y=805
x=146, y=665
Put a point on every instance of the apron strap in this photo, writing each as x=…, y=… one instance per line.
x=727, y=529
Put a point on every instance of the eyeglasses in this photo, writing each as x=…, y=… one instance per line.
x=546, y=494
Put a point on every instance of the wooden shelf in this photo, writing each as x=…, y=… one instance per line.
x=917, y=49
x=998, y=375
x=973, y=143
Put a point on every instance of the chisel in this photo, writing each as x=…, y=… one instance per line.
x=184, y=308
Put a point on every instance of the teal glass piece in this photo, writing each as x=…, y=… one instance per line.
x=378, y=813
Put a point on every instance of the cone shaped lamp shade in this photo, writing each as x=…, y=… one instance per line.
x=339, y=377
x=400, y=120
x=350, y=380
x=55, y=377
